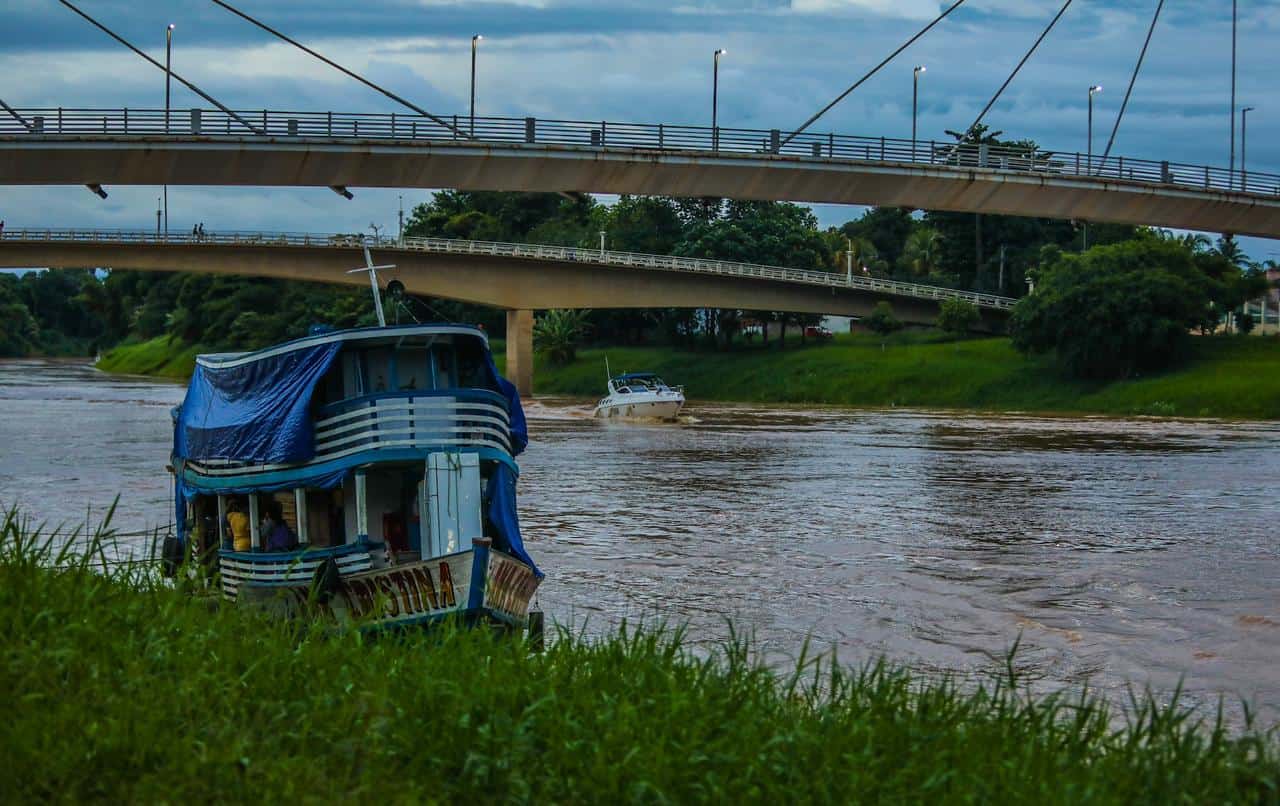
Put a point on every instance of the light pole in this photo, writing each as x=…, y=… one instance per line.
x=168, y=75
x=715, y=97
x=475, y=42
x=915, y=94
x=1096, y=88
x=1231, y=169
x=1244, y=147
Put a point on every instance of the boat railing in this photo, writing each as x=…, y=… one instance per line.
x=270, y=569
x=467, y=419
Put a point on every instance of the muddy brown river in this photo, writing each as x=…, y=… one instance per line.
x=1123, y=552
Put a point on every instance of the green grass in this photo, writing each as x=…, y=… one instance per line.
x=1226, y=377
x=122, y=689
x=161, y=356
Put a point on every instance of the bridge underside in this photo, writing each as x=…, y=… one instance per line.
x=297, y=162
x=516, y=284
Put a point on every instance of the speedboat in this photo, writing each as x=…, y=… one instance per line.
x=365, y=475
x=640, y=395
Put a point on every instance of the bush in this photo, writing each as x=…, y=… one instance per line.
x=1115, y=309
x=1245, y=323
x=881, y=319
x=958, y=317
x=556, y=334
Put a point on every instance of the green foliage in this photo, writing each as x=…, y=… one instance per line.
x=1226, y=377
x=882, y=320
x=125, y=689
x=1115, y=310
x=556, y=334
x=958, y=316
x=1245, y=323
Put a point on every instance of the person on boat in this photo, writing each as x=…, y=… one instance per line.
x=279, y=536
x=238, y=523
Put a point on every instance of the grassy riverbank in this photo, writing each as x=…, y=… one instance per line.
x=1227, y=377
x=122, y=689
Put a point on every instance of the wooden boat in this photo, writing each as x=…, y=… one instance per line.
x=368, y=473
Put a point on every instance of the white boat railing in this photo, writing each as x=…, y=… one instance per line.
x=544, y=252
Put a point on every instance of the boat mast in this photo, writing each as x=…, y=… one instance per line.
x=373, y=283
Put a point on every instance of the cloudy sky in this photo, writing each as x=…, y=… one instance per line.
x=644, y=61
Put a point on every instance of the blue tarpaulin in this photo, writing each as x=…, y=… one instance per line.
x=256, y=411
x=519, y=427
x=502, y=514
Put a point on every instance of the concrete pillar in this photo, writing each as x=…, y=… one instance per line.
x=520, y=351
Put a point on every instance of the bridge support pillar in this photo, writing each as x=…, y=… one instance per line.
x=520, y=351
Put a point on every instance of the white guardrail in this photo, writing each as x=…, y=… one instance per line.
x=564, y=254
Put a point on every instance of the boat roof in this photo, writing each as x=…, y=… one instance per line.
x=226, y=360
x=635, y=376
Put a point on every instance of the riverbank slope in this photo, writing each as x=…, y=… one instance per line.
x=1235, y=377
x=128, y=690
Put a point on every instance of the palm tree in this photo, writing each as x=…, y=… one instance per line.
x=866, y=256
x=922, y=251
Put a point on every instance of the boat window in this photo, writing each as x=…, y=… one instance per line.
x=472, y=370
x=446, y=374
x=377, y=370
x=413, y=368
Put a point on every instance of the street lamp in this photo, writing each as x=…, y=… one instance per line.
x=715, y=97
x=1244, y=145
x=475, y=41
x=915, y=94
x=1096, y=88
x=168, y=75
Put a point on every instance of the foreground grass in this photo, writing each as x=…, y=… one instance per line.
x=122, y=689
x=1226, y=377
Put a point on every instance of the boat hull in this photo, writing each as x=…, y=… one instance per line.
x=476, y=585
x=640, y=410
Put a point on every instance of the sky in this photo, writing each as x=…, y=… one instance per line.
x=645, y=61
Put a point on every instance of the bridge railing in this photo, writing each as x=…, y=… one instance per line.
x=562, y=254
x=609, y=135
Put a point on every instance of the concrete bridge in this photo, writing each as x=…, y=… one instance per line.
x=519, y=277
x=340, y=150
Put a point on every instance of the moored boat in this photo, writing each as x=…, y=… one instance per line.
x=370, y=473
x=640, y=395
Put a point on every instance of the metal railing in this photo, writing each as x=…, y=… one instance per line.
x=563, y=254
x=274, y=125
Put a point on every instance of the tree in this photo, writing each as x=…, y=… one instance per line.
x=1114, y=310
x=922, y=252
x=884, y=228
x=881, y=320
x=556, y=334
x=958, y=316
x=1245, y=323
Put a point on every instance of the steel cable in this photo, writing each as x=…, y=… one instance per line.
x=1132, y=80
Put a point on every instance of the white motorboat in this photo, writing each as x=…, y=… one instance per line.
x=640, y=395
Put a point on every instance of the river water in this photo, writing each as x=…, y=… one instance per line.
x=1122, y=552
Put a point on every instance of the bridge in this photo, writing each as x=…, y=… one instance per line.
x=519, y=277
x=100, y=147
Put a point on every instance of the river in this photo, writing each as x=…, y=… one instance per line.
x=1122, y=552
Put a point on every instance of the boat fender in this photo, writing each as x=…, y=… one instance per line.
x=171, y=556
x=326, y=582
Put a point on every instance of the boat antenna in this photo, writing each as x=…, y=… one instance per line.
x=608, y=376
x=373, y=282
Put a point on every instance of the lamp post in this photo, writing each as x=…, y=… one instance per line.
x=1244, y=147
x=715, y=97
x=1096, y=88
x=168, y=75
x=475, y=42
x=915, y=94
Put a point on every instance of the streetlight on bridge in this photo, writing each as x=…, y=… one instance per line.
x=168, y=79
x=1244, y=146
x=715, y=97
x=475, y=42
x=1095, y=89
x=915, y=94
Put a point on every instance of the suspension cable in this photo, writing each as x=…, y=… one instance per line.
x=1008, y=80
x=873, y=71
x=15, y=115
x=1132, y=79
x=160, y=66
x=342, y=69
